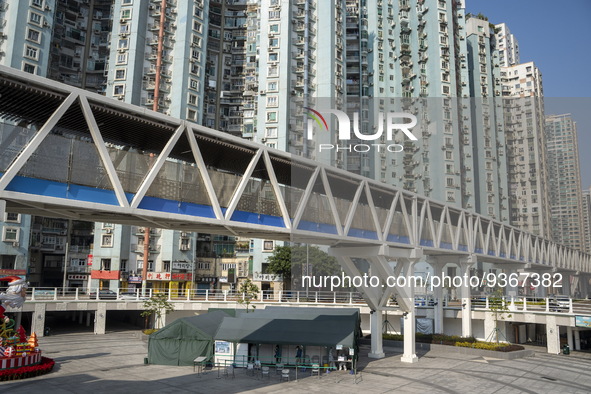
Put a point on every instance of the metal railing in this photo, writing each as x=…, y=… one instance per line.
x=200, y=295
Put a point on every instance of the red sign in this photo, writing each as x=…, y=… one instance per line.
x=169, y=276
x=97, y=274
x=89, y=259
x=7, y=272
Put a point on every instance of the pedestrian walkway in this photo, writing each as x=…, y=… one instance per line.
x=113, y=363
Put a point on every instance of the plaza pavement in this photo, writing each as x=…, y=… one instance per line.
x=114, y=363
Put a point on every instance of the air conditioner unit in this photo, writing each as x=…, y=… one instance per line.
x=183, y=234
x=45, y=24
x=16, y=244
x=108, y=231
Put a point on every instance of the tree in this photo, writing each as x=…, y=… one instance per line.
x=249, y=291
x=292, y=262
x=158, y=306
x=499, y=309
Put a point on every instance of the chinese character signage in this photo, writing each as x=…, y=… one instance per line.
x=169, y=276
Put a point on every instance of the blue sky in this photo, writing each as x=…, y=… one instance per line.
x=555, y=35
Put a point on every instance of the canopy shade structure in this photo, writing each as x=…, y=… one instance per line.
x=293, y=326
x=183, y=340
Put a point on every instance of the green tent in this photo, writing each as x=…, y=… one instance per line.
x=183, y=340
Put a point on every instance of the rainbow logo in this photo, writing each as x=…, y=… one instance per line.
x=317, y=117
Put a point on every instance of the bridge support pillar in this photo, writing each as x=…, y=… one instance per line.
x=88, y=317
x=566, y=287
x=38, y=319
x=465, y=264
x=80, y=317
x=100, y=319
x=552, y=335
x=376, y=323
x=584, y=285
x=438, y=267
x=577, y=340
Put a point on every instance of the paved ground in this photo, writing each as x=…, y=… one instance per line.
x=113, y=363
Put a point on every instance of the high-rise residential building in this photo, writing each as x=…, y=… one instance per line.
x=507, y=45
x=487, y=127
x=587, y=218
x=526, y=148
x=564, y=181
x=63, y=40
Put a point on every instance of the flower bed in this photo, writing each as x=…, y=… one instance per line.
x=45, y=366
x=454, y=340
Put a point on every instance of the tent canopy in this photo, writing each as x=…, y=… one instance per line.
x=293, y=326
x=183, y=340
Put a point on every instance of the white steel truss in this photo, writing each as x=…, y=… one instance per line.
x=357, y=211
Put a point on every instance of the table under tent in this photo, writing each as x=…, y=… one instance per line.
x=185, y=339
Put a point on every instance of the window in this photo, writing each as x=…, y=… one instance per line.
x=12, y=217
x=272, y=101
x=31, y=52
x=274, y=28
x=197, y=26
x=118, y=90
x=120, y=73
x=29, y=68
x=122, y=58
x=274, y=42
x=191, y=114
x=35, y=18
x=11, y=234
x=274, y=14
x=271, y=132
x=192, y=99
x=33, y=35
x=123, y=43
x=126, y=13
x=196, y=41
x=203, y=266
x=271, y=116
x=123, y=265
x=107, y=240
x=272, y=86
x=127, y=2
x=268, y=245
x=273, y=57
x=105, y=264
x=445, y=89
x=37, y=3
x=194, y=84
x=124, y=29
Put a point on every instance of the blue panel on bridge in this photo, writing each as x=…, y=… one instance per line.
x=171, y=206
x=397, y=238
x=426, y=242
x=463, y=248
x=42, y=187
x=257, y=218
x=446, y=245
x=318, y=227
x=355, y=232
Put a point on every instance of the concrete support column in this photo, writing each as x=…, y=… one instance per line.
x=80, y=317
x=584, y=285
x=489, y=327
x=438, y=294
x=38, y=319
x=569, y=338
x=100, y=319
x=465, y=264
x=511, y=291
x=552, y=335
x=409, y=355
x=376, y=324
x=577, y=340
x=574, y=290
x=565, y=284
x=88, y=317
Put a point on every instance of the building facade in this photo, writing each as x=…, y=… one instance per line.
x=564, y=183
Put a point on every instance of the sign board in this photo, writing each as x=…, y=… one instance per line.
x=89, y=259
x=134, y=279
x=178, y=265
x=77, y=277
x=583, y=321
x=169, y=276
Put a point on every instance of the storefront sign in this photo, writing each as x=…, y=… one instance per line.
x=98, y=274
x=8, y=272
x=134, y=279
x=77, y=277
x=178, y=265
x=169, y=276
x=583, y=321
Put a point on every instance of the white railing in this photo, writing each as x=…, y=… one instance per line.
x=201, y=295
